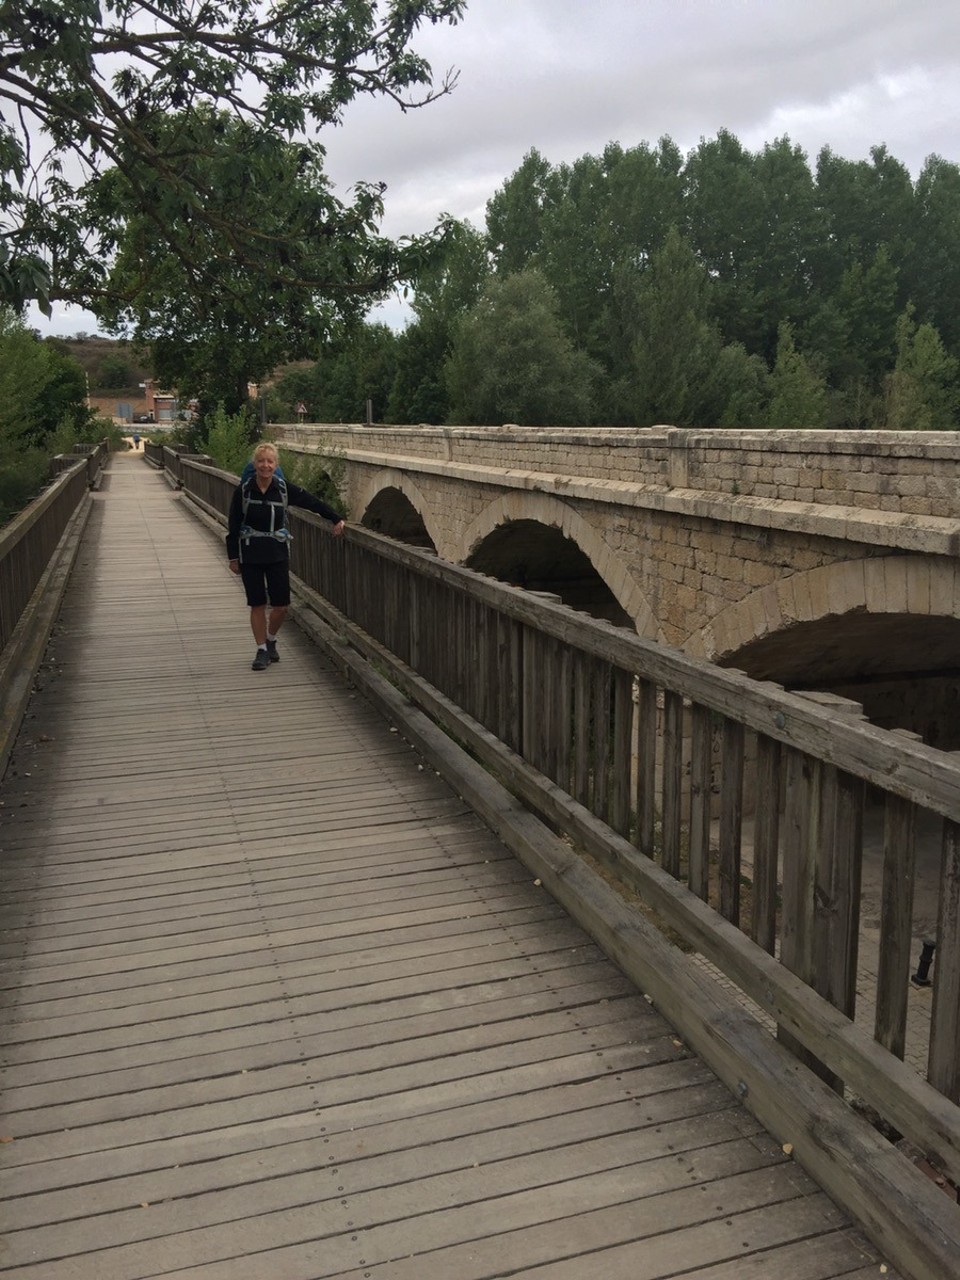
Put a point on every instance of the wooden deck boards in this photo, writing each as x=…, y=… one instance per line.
x=276, y=1006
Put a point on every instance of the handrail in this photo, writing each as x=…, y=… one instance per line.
x=36, y=551
x=94, y=455
x=30, y=539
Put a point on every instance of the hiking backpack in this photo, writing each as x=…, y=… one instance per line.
x=282, y=534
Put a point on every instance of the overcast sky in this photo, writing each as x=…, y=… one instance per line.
x=569, y=76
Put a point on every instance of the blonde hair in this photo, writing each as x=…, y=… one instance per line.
x=265, y=447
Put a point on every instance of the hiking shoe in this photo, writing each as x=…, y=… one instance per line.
x=261, y=661
x=272, y=651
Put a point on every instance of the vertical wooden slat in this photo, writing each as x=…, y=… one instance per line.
x=465, y=670
x=731, y=819
x=408, y=616
x=441, y=634
x=449, y=654
x=896, y=924
x=530, y=695
x=837, y=856
x=474, y=665
x=804, y=824
x=565, y=720
x=390, y=609
x=801, y=820
x=672, y=780
x=413, y=607
x=335, y=568
x=645, y=739
x=801, y=806
x=601, y=698
x=766, y=845
x=701, y=778
x=353, y=583
x=479, y=681
x=549, y=714
x=943, y=1068
x=838, y=925
x=510, y=659
x=622, y=733
x=581, y=719
x=493, y=680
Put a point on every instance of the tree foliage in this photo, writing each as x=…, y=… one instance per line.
x=798, y=394
x=102, y=91
x=446, y=289
x=727, y=288
x=42, y=408
x=39, y=388
x=512, y=362
x=922, y=392
x=360, y=367
x=673, y=371
x=115, y=371
x=216, y=324
x=835, y=251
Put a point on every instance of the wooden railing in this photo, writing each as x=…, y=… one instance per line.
x=169, y=457
x=36, y=551
x=94, y=455
x=642, y=757
x=30, y=539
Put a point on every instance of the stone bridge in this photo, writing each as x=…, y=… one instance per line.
x=823, y=561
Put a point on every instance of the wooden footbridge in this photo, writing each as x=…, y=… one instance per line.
x=321, y=972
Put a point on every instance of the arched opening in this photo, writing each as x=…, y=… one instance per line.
x=539, y=557
x=903, y=669
x=393, y=514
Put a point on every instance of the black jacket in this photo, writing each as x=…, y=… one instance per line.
x=266, y=514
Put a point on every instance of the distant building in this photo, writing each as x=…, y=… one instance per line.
x=162, y=406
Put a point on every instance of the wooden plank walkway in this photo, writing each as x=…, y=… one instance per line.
x=276, y=1006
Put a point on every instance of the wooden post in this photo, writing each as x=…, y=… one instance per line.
x=766, y=845
x=672, y=769
x=622, y=735
x=896, y=924
x=943, y=1068
x=645, y=738
x=701, y=778
x=731, y=818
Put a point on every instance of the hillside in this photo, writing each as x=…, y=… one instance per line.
x=112, y=365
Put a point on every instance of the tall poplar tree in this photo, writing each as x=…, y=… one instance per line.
x=922, y=391
x=934, y=266
x=672, y=374
x=798, y=394
x=446, y=288
x=512, y=361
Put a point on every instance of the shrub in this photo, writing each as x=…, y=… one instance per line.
x=320, y=473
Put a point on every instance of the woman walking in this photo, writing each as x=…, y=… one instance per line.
x=258, y=546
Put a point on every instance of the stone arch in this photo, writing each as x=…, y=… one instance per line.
x=545, y=510
x=853, y=628
x=382, y=483
x=890, y=585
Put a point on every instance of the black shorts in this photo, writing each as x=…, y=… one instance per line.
x=265, y=583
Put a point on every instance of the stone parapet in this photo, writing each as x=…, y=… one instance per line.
x=906, y=473
x=864, y=523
